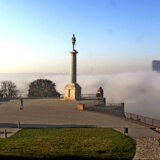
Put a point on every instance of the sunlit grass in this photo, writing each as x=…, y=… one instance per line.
x=68, y=142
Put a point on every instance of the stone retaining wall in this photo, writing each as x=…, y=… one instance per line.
x=85, y=106
x=100, y=106
x=119, y=111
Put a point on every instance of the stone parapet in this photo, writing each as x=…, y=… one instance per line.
x=85, y=106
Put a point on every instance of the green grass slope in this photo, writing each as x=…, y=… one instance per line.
x=71, y=143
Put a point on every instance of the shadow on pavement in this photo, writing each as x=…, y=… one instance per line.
x=14, y=125
x=7, y=132
x=54, y=158
x=4, y=99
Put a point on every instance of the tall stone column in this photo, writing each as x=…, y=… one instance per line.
x=73, y=89
x=73, y=67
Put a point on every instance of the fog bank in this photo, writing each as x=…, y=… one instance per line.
x=139, y=90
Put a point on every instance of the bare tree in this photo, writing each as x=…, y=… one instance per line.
x=8, y=89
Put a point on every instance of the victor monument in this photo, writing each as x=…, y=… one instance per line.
x=73, y=89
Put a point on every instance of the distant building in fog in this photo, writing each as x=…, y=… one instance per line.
x=156, y=65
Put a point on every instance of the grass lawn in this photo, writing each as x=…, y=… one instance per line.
x=67, y=143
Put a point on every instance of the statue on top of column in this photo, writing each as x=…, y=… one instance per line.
x=73, y=41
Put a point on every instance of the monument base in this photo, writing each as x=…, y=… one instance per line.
x=72, y=91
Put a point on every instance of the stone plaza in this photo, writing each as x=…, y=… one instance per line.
x=49, y=112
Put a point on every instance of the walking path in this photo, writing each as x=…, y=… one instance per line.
x=147, y=148
x=9, y=132
x=58, y=113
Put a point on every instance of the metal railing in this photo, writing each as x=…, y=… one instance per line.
x=143, y=119
x=89, y=96
x=84, y=96
x=114, y=104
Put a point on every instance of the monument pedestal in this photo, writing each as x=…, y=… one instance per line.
x=72, y=91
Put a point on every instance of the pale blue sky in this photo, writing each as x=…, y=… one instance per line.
x=112, y=35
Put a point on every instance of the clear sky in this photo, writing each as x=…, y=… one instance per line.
x=112, y=35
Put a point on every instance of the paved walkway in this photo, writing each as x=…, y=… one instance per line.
x=147, y=148
x=58, y=113
x=9, y=131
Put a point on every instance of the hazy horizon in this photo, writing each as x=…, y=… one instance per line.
x=138, y=90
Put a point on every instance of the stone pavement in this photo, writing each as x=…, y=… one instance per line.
x=147, y=148
x=58, y=113
x=9, y=131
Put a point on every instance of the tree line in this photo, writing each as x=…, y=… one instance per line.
x=8, y=89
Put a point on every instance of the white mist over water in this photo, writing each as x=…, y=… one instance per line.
x=139, y=90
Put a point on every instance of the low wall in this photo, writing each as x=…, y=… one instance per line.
x=118, y=111
x=100, y=106
x=85, y=106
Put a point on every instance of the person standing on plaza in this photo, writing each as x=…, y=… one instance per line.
x=21, y=104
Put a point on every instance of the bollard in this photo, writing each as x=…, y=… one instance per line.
x=19, y=125
x=125, y=130
x=122, y=104
x=5, y=133
x=104, y=101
